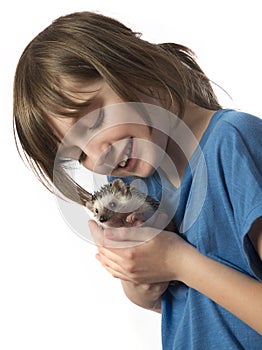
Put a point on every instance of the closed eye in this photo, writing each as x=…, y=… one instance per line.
x=99, y=120
x=91, y=122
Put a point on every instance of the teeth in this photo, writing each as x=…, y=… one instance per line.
x=122, y=164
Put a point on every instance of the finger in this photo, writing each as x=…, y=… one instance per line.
x=128, y=236
x=117, y=274
x=107, y=255
x=97, y=232
x=109, y=263
x=111, y=240
x=134, y=219
x=114, y=269
x=123, y=234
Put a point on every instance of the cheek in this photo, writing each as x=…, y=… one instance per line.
x=145, y=169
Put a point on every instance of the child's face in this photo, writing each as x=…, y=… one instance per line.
x=112, y=138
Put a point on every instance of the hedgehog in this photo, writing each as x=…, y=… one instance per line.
x=116, y=201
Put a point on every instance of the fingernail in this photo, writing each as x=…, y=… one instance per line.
x=98, y=257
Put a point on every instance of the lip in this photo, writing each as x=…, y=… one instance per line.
x=130, y=166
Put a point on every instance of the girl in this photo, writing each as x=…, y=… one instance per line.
x=72, y=83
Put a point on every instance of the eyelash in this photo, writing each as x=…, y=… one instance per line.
x=97, y=124
x=99, y=120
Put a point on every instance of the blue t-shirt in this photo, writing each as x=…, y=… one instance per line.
x=218, y=200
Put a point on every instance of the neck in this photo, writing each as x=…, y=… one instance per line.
x=184, y=139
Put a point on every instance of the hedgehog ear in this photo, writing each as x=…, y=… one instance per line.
x=119, y=185
x=89, y=201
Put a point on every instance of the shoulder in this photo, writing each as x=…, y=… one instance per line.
x=233, y=151
x=232, y=122
x=234, y=165
x=235, y=131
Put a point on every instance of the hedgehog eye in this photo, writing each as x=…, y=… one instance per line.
x=112, y=205
x=96, y=211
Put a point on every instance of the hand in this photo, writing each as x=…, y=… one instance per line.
x=161, y=221
x=149, y=256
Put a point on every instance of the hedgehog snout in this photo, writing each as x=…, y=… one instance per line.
x=103, y=218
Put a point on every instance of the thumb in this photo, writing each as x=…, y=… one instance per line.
x=129, y=236
x=96, y=232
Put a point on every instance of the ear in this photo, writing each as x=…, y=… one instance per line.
x=119, y=185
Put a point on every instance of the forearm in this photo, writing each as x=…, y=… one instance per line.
x=167, y=257
x=236, y=292
x=147, y=296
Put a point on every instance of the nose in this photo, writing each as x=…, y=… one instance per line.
x=97, y=156
x=103, y=218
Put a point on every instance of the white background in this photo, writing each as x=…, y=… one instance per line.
x=53, y=292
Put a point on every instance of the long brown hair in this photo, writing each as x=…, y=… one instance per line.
x=82, y=47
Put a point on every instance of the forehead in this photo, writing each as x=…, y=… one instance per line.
x=81, y=91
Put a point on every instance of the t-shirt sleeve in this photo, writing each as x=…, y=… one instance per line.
x=241, y=158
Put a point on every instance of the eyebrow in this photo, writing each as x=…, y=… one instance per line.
x=75, y=90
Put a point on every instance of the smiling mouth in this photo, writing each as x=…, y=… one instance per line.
x=127, y=156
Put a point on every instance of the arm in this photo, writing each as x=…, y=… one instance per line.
x=255, y=235
x=148, y=296
x=168, y=257
x=236, y=292
x=145, y=295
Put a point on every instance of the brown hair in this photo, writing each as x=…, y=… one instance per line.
x=82, y=47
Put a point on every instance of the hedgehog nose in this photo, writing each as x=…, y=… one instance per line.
x=103, y=218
